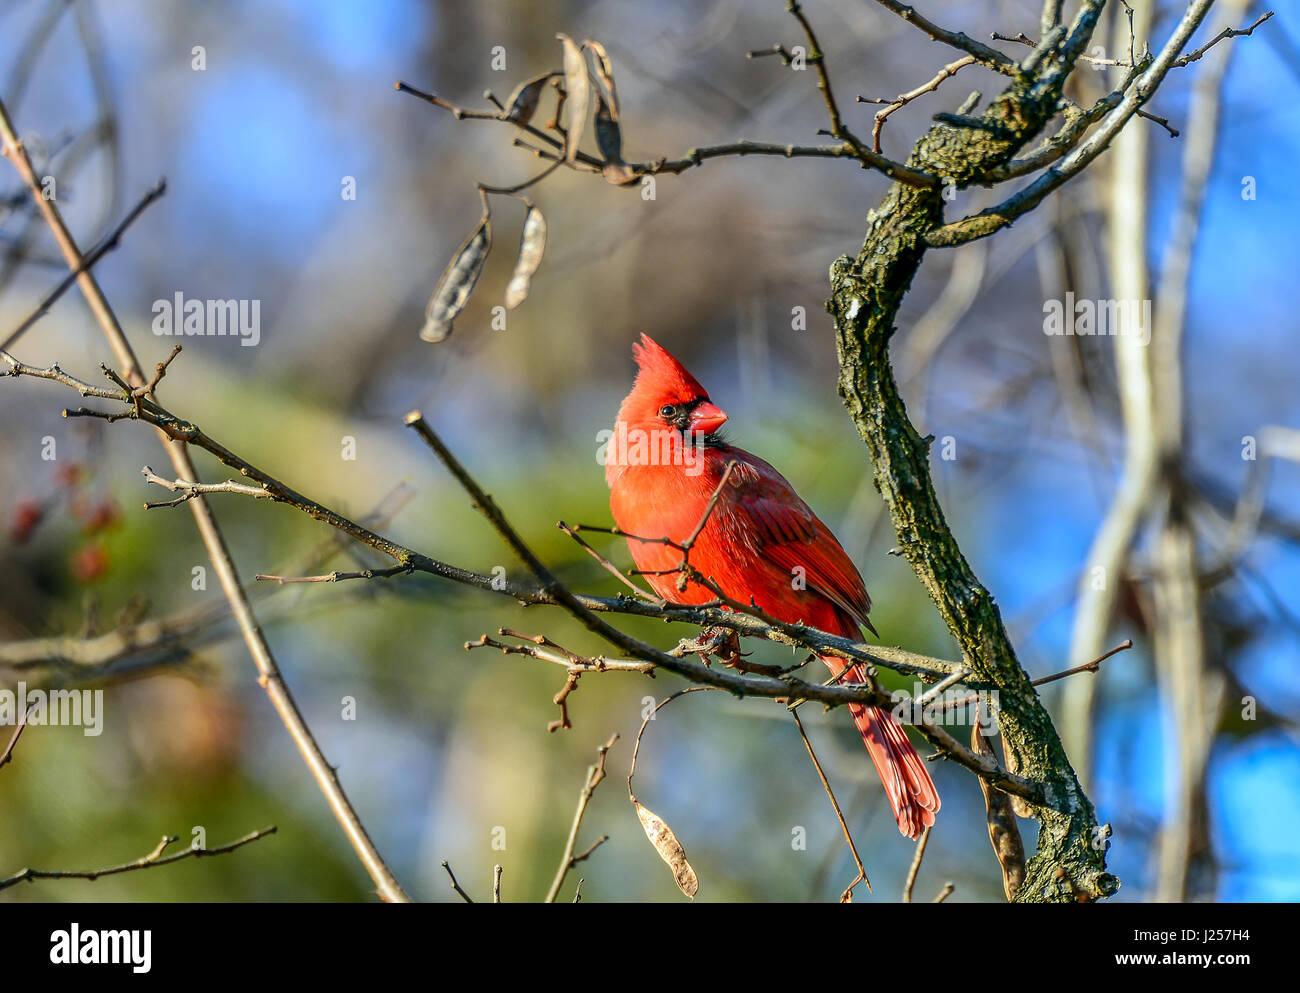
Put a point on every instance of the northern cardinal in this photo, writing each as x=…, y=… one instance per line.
x=760, y=543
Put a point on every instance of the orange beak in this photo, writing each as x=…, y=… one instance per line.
x=706, y=418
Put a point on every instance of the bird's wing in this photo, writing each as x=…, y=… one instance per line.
x=785, y=531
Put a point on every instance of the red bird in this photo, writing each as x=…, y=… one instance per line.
x=761, y=541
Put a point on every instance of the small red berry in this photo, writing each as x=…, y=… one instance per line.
x=26, y=516
x=90, y=562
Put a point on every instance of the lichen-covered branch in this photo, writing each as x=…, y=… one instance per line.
x=866, y=293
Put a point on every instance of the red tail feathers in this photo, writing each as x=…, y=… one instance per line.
x=907, y=781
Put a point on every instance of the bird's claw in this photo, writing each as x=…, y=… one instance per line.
x=720, y=643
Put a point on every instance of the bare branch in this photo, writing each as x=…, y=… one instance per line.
x=153, y=860
x=189, y=490
x=1193, y=56
x=817, y=59
x=610, y=567
x=985, y=55
x=921, y=844
x=903, y=99
x=268, y=671
x=455, y=885
x=7, y=755
x=109, y=243
x=992, y=219
x=847, y=895
x=595, y=774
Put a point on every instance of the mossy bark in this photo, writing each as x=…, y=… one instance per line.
x=1069, y=864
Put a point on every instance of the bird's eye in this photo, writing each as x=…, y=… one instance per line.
x=668, y=410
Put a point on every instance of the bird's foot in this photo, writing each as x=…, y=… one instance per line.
x=720, y=643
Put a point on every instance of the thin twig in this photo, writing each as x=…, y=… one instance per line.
x=636, y=745
x=455, y=885
x=609, y=566
x=1193, y=56
x=94, y=255
x=1092, y=666
x=1162, y=121
x=189, y=490
x=938, y=688
x=8, y=754
x=595, y=774
x=817, y=59
x=903, y=99
x=987, y=56
x=1024, y=39
x=847, y=895
x=848, y=148
x=921, y=844
x=337, y=576
x=154, y=859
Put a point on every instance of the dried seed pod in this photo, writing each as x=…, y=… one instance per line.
x=523, y=101
x=609, y=136
x=458, y=281
x=609, y=132
x=532, y=243
x=609, y=139
x=1004, y=832
x=577, y=89
x=605, y=74
x=669, y=849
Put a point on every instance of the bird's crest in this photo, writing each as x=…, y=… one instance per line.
x=663, y=373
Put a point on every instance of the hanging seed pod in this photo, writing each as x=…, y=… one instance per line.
x=609, y=136
x=669, y=849
x=532, y=243
x=1004, y=832
x=523, y=101
x=458, y=281
x=577, y=88
x=609, y=130
x=605, y=74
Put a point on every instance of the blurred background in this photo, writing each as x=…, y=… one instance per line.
x=260, y=115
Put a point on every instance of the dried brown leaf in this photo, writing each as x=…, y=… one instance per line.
x=457, y=282
x=669, y=849
x=577, y=89
x=532, y=243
